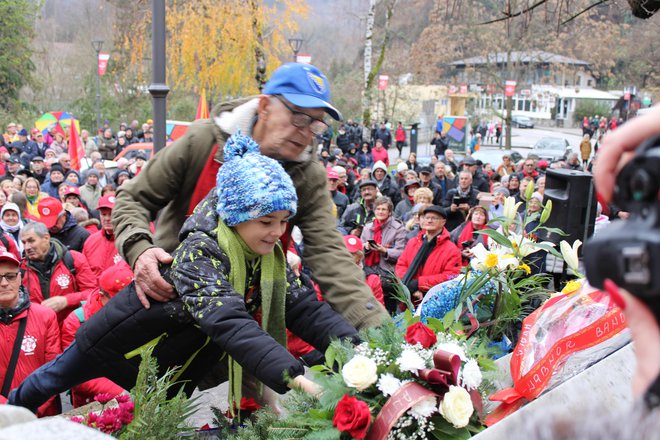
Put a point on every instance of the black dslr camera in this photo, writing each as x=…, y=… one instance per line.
x=628, y=252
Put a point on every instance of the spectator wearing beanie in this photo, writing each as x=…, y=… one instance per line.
x=90, y=192
x=55, y=177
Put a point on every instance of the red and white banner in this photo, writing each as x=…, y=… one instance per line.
x=304, y=59
x=382, y=81
x=509, y=88
x=463, y=89
x=452, y=89
x=103, y=62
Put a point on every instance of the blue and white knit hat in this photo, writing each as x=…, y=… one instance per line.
x=250, y=185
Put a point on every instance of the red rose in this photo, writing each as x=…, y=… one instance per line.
x=352, y=416
x=249, y=404
x=418, y=333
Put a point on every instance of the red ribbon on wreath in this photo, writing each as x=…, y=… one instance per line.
x=445, y=373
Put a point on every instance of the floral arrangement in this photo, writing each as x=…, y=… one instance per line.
x=407, y=380
x=499, y=286
x=115, y=414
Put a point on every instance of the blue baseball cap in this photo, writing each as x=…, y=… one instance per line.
x=303, y=85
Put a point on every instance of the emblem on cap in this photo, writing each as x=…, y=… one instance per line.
x=317, y=83
x=352, y=241
x=45, y=211
x=111, y=199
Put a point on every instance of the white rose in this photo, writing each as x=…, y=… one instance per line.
x=388, y=384
x=410, y=360
x=471, y=375
x=425, y=408
x=360, y=372
x=456, y=407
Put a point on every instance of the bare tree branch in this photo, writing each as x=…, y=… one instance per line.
x=508, y=15
x=583, y=11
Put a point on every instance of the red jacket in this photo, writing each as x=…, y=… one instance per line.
x=443, y=262
x=75, y=288
x=41, y=344
x=100, y=252
x=84, y=393
x=381, y=155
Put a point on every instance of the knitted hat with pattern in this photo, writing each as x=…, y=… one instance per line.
x=250, y=185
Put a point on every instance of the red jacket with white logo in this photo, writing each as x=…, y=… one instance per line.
x=75, y=288
x=41, y=344
x=100, y=252
x=84, y=393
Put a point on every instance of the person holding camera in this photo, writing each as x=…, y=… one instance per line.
x=465, y=236
x=616, y=151
x=459, y=200
x=385, y=238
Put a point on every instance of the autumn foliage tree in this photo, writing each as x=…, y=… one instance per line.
x=220, y=46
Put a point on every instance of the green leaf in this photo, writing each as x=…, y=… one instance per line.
x=325, y=434
x=436, y=325
x=496, y=236
x=531, y=218
x=548, y=248
x=557, y=231
x=445, y=430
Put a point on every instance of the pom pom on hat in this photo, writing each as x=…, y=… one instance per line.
x=250, y=185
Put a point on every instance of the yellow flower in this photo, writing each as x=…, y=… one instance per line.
x=571, y=287
x=491, y=260
x=526, y=268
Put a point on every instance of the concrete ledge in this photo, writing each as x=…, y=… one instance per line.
x=607, y=383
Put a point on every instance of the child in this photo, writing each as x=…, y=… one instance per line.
x=236, y=298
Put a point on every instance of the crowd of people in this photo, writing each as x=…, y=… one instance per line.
x=58, y=256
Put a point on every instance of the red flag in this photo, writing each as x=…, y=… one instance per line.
x=202, y=107
x=76, y=148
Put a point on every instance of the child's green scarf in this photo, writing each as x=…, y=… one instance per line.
x=272, y=286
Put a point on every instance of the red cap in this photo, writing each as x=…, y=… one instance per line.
x=9, y=257
x=34, y=131
x=332, y=174
x=106, y=202
x=543, y=164
x=353, y=243
x=115, y=278
x=72, y=190
x=49, y=211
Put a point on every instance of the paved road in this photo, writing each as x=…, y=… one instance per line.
x=521, y=140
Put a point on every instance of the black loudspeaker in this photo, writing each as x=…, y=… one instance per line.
x=573, y=205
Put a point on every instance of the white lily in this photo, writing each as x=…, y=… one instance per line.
x=523, y=246
x=511, y=208
x=485, y=260
x=570, y=253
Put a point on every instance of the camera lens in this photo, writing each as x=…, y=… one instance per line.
x=642, y=186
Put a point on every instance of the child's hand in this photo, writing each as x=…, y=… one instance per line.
x=302, y=383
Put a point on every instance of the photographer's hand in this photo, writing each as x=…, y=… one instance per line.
x=611, y=155
x=645, y=335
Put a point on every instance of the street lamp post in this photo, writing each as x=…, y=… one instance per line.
x=158, y=88
x=97, y=45
x=295, y=44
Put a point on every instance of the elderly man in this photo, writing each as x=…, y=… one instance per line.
x=61, y=224
x=54, y=276
x=99, y=248
x=27, y=148
x=283, y=121
x=459, y=200
x=361, y=212
x=440, y=184
x=29, y=334
x=429, y=258
x=479, y=179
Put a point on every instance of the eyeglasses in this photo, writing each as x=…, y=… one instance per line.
x=303, y=120
x=432, y=219
x=11, y=276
